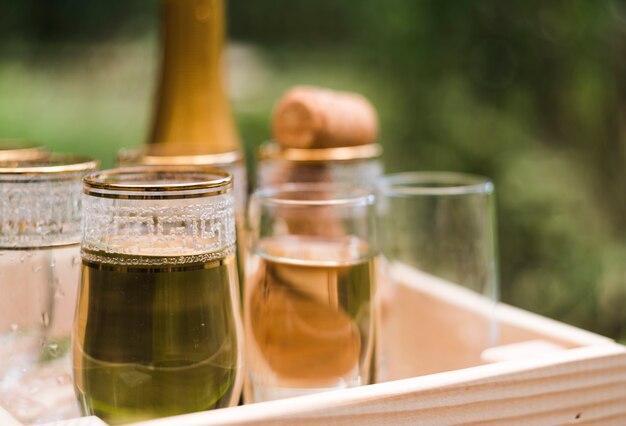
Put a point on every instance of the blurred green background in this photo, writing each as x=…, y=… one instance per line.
x=531, y=93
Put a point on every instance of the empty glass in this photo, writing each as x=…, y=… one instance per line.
x=440, y=287
x=309, y=292
x=158, y=328
x=40, y=216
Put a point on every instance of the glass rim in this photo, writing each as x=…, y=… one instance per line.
x=148, y=156
x=199, y=178
x=20, y=150
x=50, y=164
x=271, y=151
x=448, y=183
x=350, y=196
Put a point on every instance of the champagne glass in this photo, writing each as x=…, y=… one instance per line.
x=309, y=290
x=158, y=329
x=438, y=297
x=40, y=216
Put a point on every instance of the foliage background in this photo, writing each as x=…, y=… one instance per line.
x=530, y=93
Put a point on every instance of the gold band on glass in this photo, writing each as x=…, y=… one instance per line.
x=162, y=154
x=48, y=165
x=18, y=150
x=348, y=153
x=198, y=178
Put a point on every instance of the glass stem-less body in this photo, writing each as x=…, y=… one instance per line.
x=192, y=106
x=40, y=215
x=158, y=325
x=439, y=245
x=309, y=317
x=309, y=291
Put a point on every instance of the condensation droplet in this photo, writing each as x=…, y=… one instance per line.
x=45, y=319
x=53, y=263
x=36, y=268
x=22, y=258
x=14, y=327
x=58, y=293
x=63, y=379
x=53, y=349
x=76, y=260
x=33, y=390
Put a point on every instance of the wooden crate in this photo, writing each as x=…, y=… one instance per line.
x=541, y=372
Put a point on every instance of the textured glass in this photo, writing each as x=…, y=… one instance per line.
x=40, y=216
x=202, y=226
x=158, y=324
x=40, y=211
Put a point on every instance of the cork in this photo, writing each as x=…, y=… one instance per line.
x=314, y=117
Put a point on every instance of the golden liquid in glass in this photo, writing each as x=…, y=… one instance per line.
x=156, y=341
x=309, y=316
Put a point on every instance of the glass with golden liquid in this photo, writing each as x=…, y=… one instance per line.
x=158, y=328
x=309, y=292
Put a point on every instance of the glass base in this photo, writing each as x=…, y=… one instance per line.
x=259, y=392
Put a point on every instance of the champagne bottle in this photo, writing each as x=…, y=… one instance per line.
x=191, y=105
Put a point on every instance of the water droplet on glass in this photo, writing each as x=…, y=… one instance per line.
x=33, y=390
x=22, y=258
x=75, y=260
x=58, y=293
x=53, y=349
x=36, y=268
x=63, y=379
x=14, y=327
x=202, y=324
x=45, y=319
x=53, y=263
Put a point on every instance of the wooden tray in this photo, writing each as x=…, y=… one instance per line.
x=541, y=372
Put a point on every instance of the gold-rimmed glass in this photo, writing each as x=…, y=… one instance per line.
x=189, y=154
x=309, y=290
x=158, y=323
x=40, y=216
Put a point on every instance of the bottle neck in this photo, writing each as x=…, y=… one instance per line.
x=191, y=105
